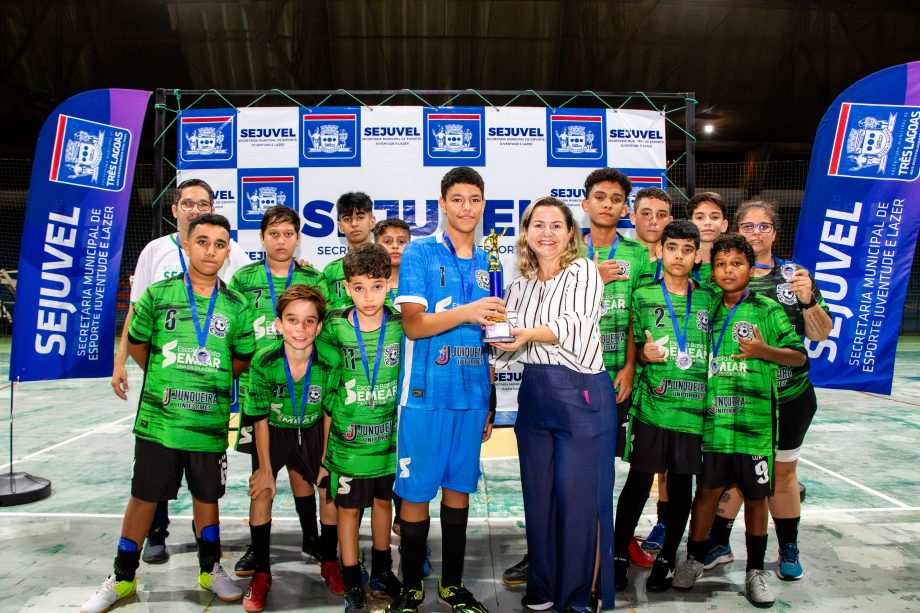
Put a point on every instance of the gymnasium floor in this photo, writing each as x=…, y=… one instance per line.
x=860, y=533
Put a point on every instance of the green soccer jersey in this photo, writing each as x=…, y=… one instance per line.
x=791, y=382
x=649, y=272
x=702, y=274
x=666, y=396
x=362, y=436
x=336, y=296
x=268, y=391
x=185, y=402
x=741, y=405
x=614, y=324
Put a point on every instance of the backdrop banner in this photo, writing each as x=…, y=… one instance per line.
x=858, y=226
x=306, y=158
x=64, y=324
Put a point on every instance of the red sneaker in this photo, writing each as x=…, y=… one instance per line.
x=257, y=592
x=639, y=556
x=332, y=575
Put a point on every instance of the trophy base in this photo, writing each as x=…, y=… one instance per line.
x=499, y=332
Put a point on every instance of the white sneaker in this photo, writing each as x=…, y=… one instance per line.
x=218, y=582
x=757, y=589
x=110, y=592
x=686, y=574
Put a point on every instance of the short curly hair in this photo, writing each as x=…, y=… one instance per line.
x=370, y=260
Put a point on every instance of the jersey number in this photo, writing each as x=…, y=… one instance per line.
x=350, y=360
x=659, y=315
x=258, y=294
x=170, y=323
x=763, y=471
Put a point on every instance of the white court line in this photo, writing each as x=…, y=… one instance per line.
x=865, y=488
x=70, y=440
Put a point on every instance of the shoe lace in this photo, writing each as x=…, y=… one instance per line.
x=108, y=584
x=760, y=579
x=790, y=553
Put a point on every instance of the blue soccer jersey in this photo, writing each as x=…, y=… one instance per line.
x=449, y=370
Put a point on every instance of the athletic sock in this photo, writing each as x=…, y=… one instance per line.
x=453, y=543
x=787, y=530
x=680, y=498
x=328, y=541
x=630, y=503
x=306, y=512
x=662, y=507
x=696, y=549
x=261, y=544
x=756, y=549
x=381, y=561
x=721, y=530
x=209, y=548
x=351, y=576
x=161, y=516
x=127, y=559
x=414, y=535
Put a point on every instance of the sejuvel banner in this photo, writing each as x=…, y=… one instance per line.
x=64, y=323
x=858, y=226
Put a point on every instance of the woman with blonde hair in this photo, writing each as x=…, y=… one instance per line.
x=566, y=423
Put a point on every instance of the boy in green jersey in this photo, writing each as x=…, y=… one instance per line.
x=261, y=283
x=707, y=211
x=750, y=336
x=184, y=410
x=671, y=319
x=291, y=383
x=355, y=214
x=394, y=234
x=361, y=428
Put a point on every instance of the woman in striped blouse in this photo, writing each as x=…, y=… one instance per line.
x=566, y=424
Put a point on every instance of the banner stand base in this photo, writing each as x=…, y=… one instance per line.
x=22, y=488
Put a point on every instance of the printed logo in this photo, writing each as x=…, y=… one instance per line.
x=90, y=154
x=350, y=395
x=219, y=325
x=482, y=279
x=331, y=138
x=350, y=434
x=876, y=141
x=575, y=138
x=165, y=396
x=263, y=189
x=702, y=321
x=443, y=356
x=785, y=294
x=391, y=355
x=404, y=467
x=625, y=267
x=223, y=469
x=603, y=307
x=206, y=138
x=169, y=353
x=344, y=485
x=454, y=136
x=314, y=394
x=680, y=388
x=742, y=330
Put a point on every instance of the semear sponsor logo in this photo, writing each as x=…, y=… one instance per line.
x=679, y=388
x=186, y=399
x=361, y=394
x=461, y=354
x=727, y=405
x=281, y=417
x=186, y=356
x=876, y=141
x=368, y=434
x=731, y=365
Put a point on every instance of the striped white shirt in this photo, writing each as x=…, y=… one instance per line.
x=570, y=305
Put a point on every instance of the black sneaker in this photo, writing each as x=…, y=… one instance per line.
x=408, y=601
x=535, y=603
x=658, y=580
x=517, y=574
x=310, y=549
x=155, y=547
x=354, y=600
x=385, y=584
x=246, y=565
x=594, y=603
x=459, y=599
x=620, y=572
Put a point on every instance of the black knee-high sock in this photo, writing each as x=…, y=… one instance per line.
x=629, y=509
x=662, y=508
x=397, y=506
x=414, y=534
x=328, y=542
x=161, y=516
x=453, y=542
x=787, y=530
x=696, y=549
x=721, y=530
x=678, y=511
x=756, y=549
x=381, y=561
x=261, y=546
x=306, y=512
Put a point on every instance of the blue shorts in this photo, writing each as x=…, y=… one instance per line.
x=438, y=448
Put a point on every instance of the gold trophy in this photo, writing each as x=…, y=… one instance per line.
x=500, y=330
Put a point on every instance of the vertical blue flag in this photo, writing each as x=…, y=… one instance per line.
x=858, y=226
x=64, y=320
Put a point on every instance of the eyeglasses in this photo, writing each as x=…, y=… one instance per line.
x=189, y=205
x=763, y=228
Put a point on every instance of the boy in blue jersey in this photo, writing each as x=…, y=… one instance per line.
x=444, y=388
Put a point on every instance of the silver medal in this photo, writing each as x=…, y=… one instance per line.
x=202, y=356
x=714, y=367
x=684, y=361
x=787, y=270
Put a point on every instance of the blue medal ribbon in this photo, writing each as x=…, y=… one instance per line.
x=299, y=408
x=776, y=262
x=466, y=281
x=717, y=344
x=201, y=330
x=377, y=358
x=681, y=336
x=392, y=296
x=271, y=282
x=658, y=276
x=613, y=247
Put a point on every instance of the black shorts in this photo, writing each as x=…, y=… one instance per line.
x=794, y=419
x=623, y=425
x=158, y=472
x=357, y=493
x=656, y=450
x=285, y=450
x=751, y=473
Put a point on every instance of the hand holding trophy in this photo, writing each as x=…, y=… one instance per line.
x=500, y=330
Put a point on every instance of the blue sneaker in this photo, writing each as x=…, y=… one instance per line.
x=655, y=539
x=718, y=554
x=790, y=568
